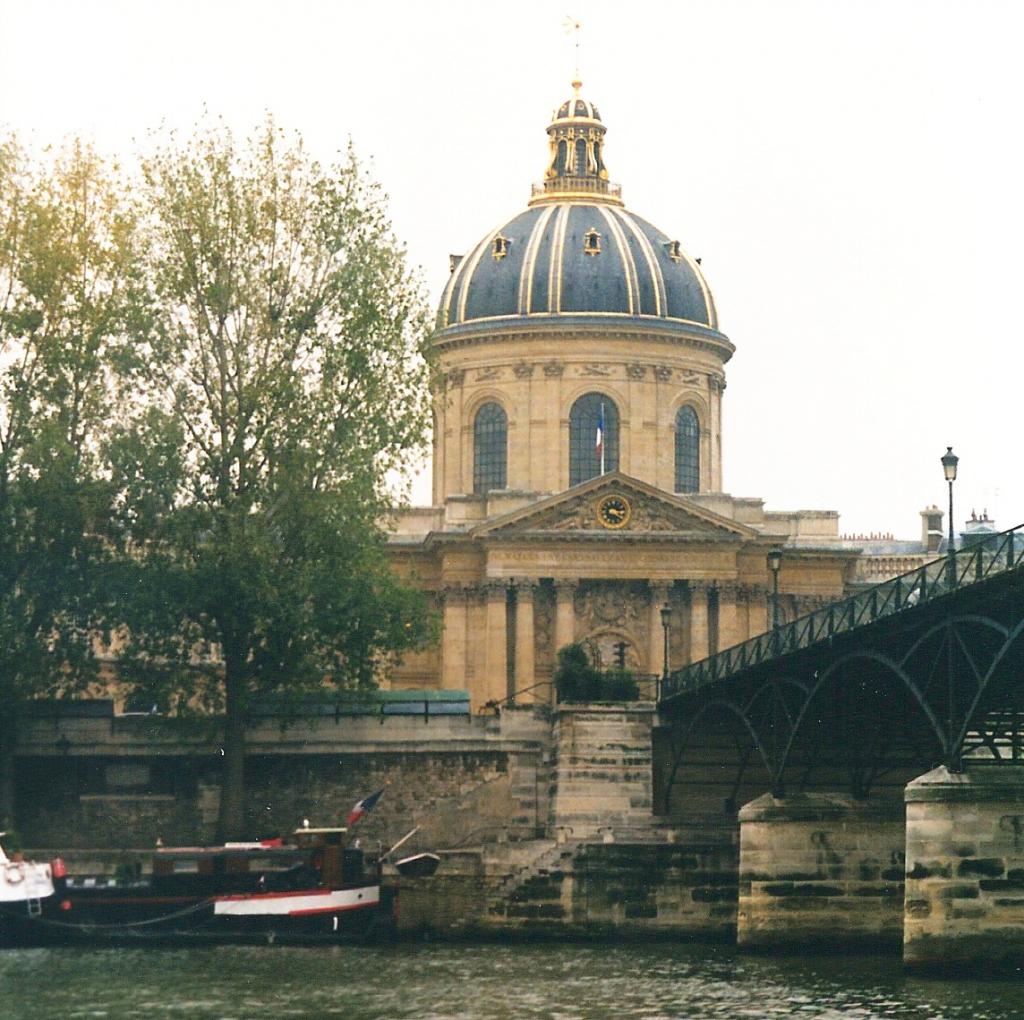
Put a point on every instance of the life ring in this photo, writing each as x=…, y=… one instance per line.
x=15, y=872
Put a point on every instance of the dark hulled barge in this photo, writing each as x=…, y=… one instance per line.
x=315, y=888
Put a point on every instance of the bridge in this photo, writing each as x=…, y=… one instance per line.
x=921, y=670
x=857, y=747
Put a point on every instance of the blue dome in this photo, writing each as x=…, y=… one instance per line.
x=576, y=258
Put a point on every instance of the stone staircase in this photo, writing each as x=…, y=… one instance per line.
x=550, y=857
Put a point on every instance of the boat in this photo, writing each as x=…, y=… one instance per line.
x=314, y=888
x=418, y=865
x=26, y=890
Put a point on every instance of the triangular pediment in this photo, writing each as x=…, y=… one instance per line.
x=614, y=504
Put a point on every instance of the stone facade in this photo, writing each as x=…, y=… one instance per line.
x=573, y=300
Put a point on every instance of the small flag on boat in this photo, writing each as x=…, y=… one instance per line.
x=366, y=804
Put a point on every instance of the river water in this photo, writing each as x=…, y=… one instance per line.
x=480, y=982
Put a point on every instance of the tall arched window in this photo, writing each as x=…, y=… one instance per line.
x=490, y=448
x=687, y=450
x=580, y=167
x=591, y=412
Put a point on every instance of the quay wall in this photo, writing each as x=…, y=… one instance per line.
x=586, y=890
x=553, y=823
x=129, y=781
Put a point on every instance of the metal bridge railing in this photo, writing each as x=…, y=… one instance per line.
x=985, y=558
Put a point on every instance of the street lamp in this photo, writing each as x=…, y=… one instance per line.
x=666, y=619
x=774, y=565
x=949, y=463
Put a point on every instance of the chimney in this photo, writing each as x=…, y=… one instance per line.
x=931, y=528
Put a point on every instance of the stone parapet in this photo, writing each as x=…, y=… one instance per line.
x=964, y=907
x=820, y=871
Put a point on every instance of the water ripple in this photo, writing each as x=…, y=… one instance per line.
x=480, y=982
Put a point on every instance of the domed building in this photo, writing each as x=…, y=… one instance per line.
x=577, y=455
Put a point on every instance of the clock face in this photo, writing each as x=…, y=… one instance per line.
x=614, y=511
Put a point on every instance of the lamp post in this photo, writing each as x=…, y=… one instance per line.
x=666, y=619
x=774, y=565
x=949, y=463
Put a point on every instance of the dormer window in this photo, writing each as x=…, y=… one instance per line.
x=592, y=242
x=499, y=247
x=675, y=251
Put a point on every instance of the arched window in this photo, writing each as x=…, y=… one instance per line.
x=593, y=428
x=580, y=167
x=490, y=448
x=687, y=450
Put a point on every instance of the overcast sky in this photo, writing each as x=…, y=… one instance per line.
x=851, y=174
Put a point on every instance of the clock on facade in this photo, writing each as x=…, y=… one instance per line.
x=614, y=511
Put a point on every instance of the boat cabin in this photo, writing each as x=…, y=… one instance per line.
x=318, y=858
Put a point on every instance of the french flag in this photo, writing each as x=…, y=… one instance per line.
x=599, y=442
x=366, y=804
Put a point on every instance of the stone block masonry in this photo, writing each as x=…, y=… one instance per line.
x=964, y=905
x=602, y=779
x=591, y=890
x=127, y=782
x=820, y=871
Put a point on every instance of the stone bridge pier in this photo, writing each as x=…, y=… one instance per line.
x=944, y=878
x=820, y=871
x=965, y=870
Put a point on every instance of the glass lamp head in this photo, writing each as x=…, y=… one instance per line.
x=949, y=463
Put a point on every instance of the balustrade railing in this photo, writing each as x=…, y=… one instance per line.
x=577, y=185
x=982, y=559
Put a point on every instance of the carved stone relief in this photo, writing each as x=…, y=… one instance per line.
x=455, y=377
x=554, y=369
x=602, y=604
x=662, y=373
x=523, y=370
x=487, y=374
x=544, y=621
x=636, y=371
x=595, y=368
x=648, y=516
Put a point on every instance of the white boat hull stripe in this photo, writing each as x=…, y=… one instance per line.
x=320, y=901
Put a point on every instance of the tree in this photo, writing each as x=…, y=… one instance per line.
x=66, y=258
x=575, y=678
x=281, y=379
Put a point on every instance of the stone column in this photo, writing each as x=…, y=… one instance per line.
x=964, y=906
x=453, y=435
x=820, y=871
x=565, y=614
x=453, y=642
x=698, y=620
x=659, y=596
x=495, y=683
x=729, y=630
x=524, y=664
x=757, y=611
x=565, y=619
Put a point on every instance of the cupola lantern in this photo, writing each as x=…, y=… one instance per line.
x=576, y=161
